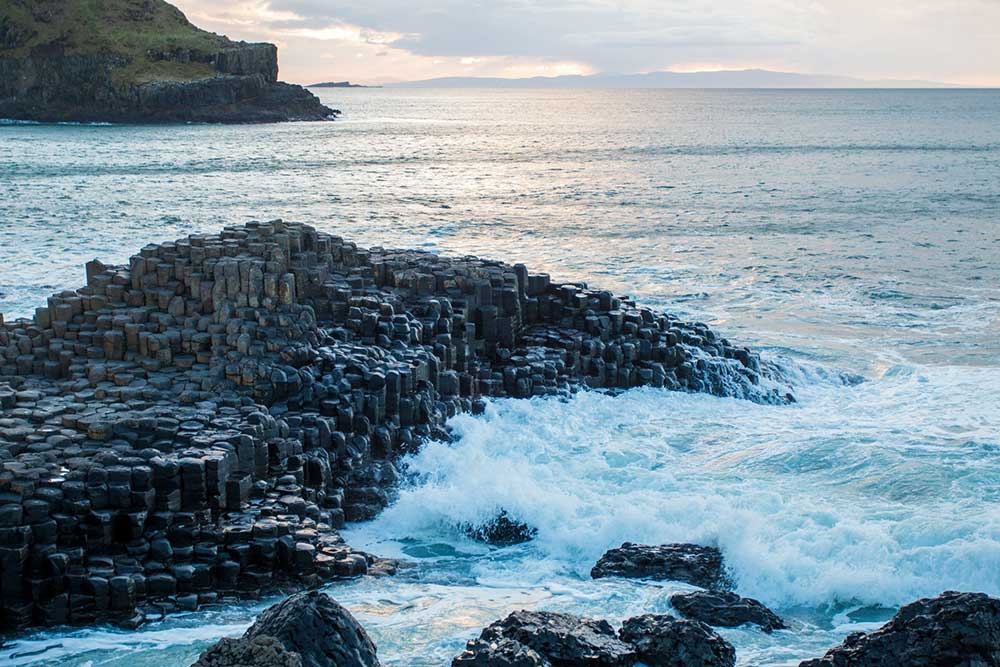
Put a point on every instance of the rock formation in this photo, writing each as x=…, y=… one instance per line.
x=691, y=563
x=546, y=639
x=664, y=641
x=201, y=421
x=725, y=609
x=951, y=630
x=136, y=61
x=305, y=630
x=549, y=639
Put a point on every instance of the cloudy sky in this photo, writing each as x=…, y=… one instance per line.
x=380, y=41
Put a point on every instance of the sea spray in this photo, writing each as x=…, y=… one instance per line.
x=859, y=494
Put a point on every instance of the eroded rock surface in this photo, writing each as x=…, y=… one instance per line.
x=258, y=652
x=200, y=422
x=660, y=640
x=532, y=638
x=951, y=630
x=305, y=630
x=691, y=563
x=725, y=609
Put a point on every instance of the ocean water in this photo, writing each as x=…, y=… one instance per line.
x=843, y=233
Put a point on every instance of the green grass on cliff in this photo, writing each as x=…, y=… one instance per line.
x=130, y=28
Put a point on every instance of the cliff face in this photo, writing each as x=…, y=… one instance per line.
x=135, y=61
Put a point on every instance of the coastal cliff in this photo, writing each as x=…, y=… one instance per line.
x=136, y=61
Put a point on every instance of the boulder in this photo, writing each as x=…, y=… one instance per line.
x=311, y=626
x=725, y=609
x=951, y=630
x=661, y=640
x=691, y=563
x=502, y=530
x=261, y=651
x=541, y=638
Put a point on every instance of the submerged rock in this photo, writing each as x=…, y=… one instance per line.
x=540, y=638
x=261, y=651
x=661, y=640
x=951, y=630
x=311, y=626
x=691, y=563
x=725, y=609
x=502, y=530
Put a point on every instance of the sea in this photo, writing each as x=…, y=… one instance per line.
x=853, y=237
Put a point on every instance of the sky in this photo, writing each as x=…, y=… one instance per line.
x=383, y=41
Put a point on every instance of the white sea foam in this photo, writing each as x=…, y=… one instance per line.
x=860, y=493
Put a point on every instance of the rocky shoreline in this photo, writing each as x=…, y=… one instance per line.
x=312, y=630
x=200, y=422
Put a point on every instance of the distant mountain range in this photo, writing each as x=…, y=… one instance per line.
x=338, y=84
x=749, y=78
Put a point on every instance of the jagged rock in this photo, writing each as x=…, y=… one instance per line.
x=319, y=630
x=691, y=563
x=260, y=651
x=502, y=530
x=661, y=640
x=530, y=638
x=951, y=630
x=499, y=652
x=725, y=609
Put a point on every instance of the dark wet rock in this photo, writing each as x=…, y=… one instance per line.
x=319, y=630
x=502, y=530
x=725, y=609
x=691, y=563
x=563, y=640
x=661, y=640
x=951, y=630
x=199, y=423
x=499, y=652
x=260, y=651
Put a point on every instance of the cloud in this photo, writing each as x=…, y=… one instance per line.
x=945, y=39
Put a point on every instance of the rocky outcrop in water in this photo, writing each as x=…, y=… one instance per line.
x=306, y=630
x=200, y=422
x=136, y=61
x=661, y=640
x=549, y=639
x=725, y=609
x=258, y=652
x=951, y=630
x=502, y=530
x=691, y=563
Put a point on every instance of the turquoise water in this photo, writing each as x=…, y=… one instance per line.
x=835, y=230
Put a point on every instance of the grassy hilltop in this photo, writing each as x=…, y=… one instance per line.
x=137, y=30
x=136, y=61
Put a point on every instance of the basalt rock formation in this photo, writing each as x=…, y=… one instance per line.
x=202, y=420
x=691, y=563
x=136, y=61
x=549, y=639
x=951, y=630
x=304, y=630
x=661, y=640
x=546, y=639
x=725, y=609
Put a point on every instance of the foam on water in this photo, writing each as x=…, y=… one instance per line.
x=859, y=494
